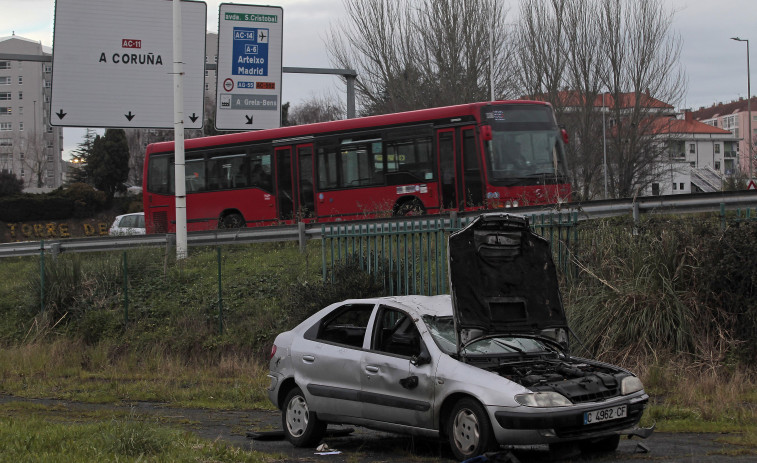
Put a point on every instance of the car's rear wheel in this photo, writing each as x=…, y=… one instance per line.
x=301, y=425
x=468, y=430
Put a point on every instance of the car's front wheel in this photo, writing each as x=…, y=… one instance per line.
x=301, y=425
x=468, y=430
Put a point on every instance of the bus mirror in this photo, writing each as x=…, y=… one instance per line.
x=486, y=132
x=565, y=136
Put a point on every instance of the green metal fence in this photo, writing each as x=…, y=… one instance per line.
x=411, y=257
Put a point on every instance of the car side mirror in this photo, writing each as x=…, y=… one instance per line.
x=421, y=359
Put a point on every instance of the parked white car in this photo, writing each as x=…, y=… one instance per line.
x=488, y=365
x=128, y=224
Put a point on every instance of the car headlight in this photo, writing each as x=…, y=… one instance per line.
x=630, y=384
x=542, y=399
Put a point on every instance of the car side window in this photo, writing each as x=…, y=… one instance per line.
x=346, y=325
x=396, y=333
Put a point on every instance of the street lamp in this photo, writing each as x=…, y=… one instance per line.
x=750, y=153
x=604, y=141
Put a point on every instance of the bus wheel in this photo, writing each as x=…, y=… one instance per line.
x=413, y=207
x=231, y=221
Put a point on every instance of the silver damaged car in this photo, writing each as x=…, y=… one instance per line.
x=486, y=366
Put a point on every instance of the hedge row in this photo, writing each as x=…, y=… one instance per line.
x=78, y=201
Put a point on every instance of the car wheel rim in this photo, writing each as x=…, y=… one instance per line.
x=297, y=416
x=466, y=431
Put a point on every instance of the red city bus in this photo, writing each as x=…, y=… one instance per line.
x=458, y=158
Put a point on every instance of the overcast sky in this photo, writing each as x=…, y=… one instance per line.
x=715, y=65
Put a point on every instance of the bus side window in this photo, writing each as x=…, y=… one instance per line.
x=327, y=169
x=160, y=175
x=195, y=175
x=260, y=174
x=410, y=161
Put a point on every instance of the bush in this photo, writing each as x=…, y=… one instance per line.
x=10, y=184
x=728, y=271
x=78, y=200
x=86, y=200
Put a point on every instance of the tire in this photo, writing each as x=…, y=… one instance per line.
x=232, y=221
x=468, y=430
x=301, y=425
x=601, y=445
x=410, y=208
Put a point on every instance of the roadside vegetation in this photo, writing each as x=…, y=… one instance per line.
x=675, y=302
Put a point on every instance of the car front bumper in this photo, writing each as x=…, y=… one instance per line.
x=527, y=425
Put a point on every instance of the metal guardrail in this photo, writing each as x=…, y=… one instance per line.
x=672, y=204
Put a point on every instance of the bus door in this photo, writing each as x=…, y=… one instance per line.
x=284, y=188
x=459, y=168
x=304, y=179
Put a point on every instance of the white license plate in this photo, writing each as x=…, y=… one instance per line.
x=605, y=414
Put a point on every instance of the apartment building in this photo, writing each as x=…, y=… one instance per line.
x=734, y=117
x=29, y=146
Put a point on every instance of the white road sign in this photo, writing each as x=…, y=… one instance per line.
x=248, y=92
x=113, y=63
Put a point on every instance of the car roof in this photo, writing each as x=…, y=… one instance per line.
x=438, y=306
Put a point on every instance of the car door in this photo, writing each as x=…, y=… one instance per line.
x=394, y=389
x=327, y=360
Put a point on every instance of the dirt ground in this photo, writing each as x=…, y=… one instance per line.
x=363, y=445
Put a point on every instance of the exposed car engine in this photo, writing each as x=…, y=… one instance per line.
x=579, y=381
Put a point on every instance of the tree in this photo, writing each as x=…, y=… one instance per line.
x=108, y=164
x=10, y=184
x=412, y=55
x=80, y=155
x=33, y=159
x=577, y=54
x=316, y=109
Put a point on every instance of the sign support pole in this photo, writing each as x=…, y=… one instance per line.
x=178, y=106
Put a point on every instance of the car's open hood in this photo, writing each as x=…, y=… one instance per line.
x=502, y=279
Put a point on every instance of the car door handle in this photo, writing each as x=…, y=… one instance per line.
x=308, y=358
x=371, y=369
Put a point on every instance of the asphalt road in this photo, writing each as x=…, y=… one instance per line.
x=233, y=426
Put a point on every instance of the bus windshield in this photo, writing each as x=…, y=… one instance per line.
x=525, y=144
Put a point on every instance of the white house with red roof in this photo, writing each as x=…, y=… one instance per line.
x=699, y=156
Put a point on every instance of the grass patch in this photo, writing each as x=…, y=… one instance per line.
x=74, y=371
x=30, y=436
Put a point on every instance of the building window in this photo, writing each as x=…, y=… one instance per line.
x=5, y=64
x=5, y=96
x=6, y=111
x=692, y=148
x=6, y=126
x=680, y=186
x=20, y=95
x=20, y=110
x=47, y=84
x=20, y=126
x=5, y=80
x=675, y=186
x=20, y=80
x=48, y=68
x=207, y=86
x=717, y=165
x=6, y=142
x=717, y=148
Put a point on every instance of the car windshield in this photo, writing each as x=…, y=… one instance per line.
x=443, y=331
